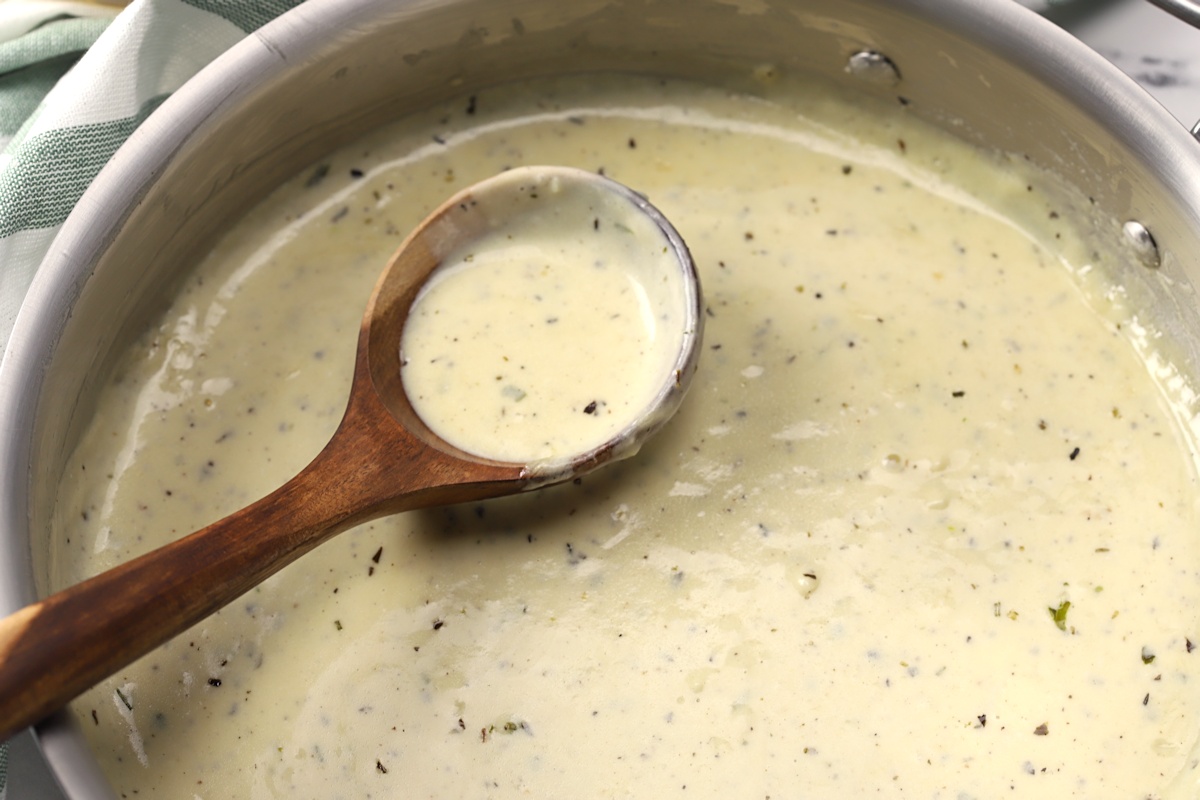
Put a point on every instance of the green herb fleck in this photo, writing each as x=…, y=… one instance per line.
x=124, y=700
x=1148, y=656
x=1059, y=615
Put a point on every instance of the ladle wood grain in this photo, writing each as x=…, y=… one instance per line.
x=382, y=460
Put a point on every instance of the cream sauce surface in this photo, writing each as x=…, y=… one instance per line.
x=554, y=332
x=924, y=526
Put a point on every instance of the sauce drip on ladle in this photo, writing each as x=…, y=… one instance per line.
x=398, y=446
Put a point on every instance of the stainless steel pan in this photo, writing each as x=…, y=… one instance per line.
x=988, y=70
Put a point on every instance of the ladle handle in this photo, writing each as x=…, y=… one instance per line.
x=53, y=650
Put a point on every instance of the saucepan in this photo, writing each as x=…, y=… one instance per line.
x=989, y=71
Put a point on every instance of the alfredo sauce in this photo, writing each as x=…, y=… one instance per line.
x=925, y=526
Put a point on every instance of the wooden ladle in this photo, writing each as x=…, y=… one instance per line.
x=382, y=460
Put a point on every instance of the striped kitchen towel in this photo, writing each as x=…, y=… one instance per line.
x=63, y=115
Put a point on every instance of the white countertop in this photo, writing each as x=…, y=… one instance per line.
x=1159, y=52
x=1155, y=49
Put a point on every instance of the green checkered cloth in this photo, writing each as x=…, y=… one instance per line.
x=76, y=79
x=74, y=84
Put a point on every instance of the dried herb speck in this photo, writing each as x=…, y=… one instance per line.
x=317, y=176
x=1059, y=615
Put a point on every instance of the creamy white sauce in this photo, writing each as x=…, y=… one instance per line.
x=917, y=431
x=551, y=334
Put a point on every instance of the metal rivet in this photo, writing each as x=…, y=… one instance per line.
x=1143, y=243
x=873, y=67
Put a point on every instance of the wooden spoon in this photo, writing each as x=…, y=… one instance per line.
x=382, y=460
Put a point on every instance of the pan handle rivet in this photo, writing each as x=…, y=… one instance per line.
x=873, y=67
x=1144, y=246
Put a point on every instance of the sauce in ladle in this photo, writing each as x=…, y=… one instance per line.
x=556, y=330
